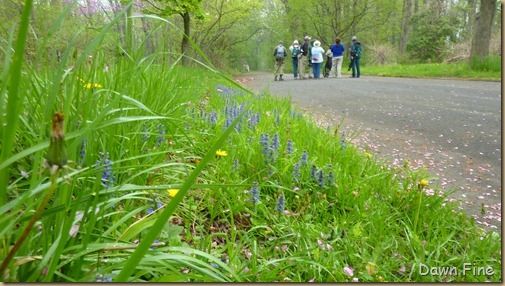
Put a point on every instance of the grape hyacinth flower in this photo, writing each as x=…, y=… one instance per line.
x=313, y=171
x=255, y=194
x=107, y=176
x=275, y=142
x=213, y=117
x=331, y=178
x=264, y=143
x=83, y=147
x=305, y=158
x=280, y=204
x=289, y=147
x=161, y=138
x=320, y=178
x=296, y=172
x=145, y=135
x=342, y=140
x=236, y=165
x=252, y=121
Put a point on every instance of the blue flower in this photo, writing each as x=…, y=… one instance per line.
x=296, y=172
x=107, y=176
x=83, y=147
x=280, y=204
x=264, y=138
x=161, y=138
x=145, y=134
x=305, y=158
x=255, y=194
x=236, y=165
x=313, y=171
x=331, y=178
x=289, y=147
x=150, y=211
x=107, y=279
x=342, y=140
x=213, y=117
x=320, y=178
x=155, y=241
x=275, y=142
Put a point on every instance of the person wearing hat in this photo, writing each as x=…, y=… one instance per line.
x=303, y=61
x=280, y=54
x=295, y=54
x=311, y=68
x=317, y=57
x=356, y=52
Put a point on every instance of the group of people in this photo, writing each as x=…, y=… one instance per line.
x=311, y=54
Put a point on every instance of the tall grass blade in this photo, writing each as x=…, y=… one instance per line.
x=15, y=98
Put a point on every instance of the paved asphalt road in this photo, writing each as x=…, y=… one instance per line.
x=451, y=127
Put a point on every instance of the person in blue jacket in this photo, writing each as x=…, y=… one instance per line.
x=337, y=50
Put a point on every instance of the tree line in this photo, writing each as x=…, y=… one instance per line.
x=236, y=32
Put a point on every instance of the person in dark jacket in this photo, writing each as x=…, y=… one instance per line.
x=304, y=59
x=356, y=52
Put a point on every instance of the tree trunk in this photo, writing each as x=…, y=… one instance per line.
x=185, y=39
x=407, y=13
x=483, y=29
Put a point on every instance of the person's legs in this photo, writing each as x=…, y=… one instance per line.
x=302, y=66
x=282, y=68
x=333, y=71
x=277, y=69
x=358, y=73
x=339, y=61
x=317, y=70
x=354, y=67
x=295, y=67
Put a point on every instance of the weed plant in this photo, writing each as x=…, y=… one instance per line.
x=179, y=175
x=488, y=69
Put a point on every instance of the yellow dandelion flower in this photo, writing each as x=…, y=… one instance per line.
x=368, y=155
x=219, y=90
x=221, y=153
x=173, y=192
x=423, y=183
x=93, y=85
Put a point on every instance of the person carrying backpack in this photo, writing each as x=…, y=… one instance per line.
x=295, y=55
x=280, y=54
x=304, y=58
x=356, y=52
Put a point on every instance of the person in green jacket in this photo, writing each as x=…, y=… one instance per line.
x=356, y=52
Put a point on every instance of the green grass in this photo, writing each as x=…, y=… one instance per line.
x=141, y=130
x=489, y=70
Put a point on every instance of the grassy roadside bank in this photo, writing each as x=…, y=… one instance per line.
x=489, y=71
x=173, y=174
x=282, y=200
x=435, y=70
